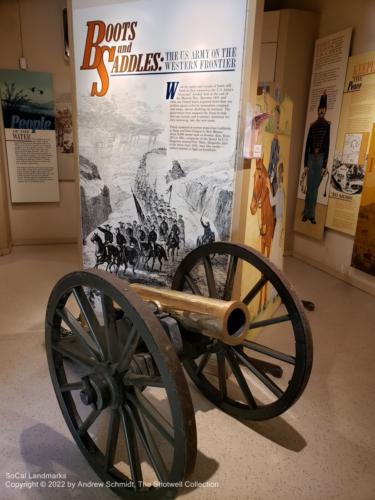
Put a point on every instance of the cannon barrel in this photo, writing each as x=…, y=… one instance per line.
x=227, y=321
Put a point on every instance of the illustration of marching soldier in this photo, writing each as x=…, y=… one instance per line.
x=181, y=227
x=315, y=159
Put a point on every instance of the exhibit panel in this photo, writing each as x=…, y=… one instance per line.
x=364, y=241
x=326, y=88
x=29, y=124
x=157, y=129
x=349, y=163
x=266, y=211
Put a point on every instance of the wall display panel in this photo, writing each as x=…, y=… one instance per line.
x=29, y=122
x=326, y=89
x=158, y=96
x=363, y=257
x=356, y=120
x=265, y=223
x=64, y=136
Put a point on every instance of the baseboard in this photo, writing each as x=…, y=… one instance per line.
x=5, y=250
x=45, y=241
x=351, y=280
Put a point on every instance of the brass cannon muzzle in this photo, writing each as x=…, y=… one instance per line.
x=227, y=321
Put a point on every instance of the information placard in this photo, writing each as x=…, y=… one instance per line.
x=326, y=89
x=158, y=94
x=356, y=121
x=265, y=223
x=363, y=257
x=29, y=122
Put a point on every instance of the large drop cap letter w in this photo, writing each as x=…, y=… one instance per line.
x=171, y=90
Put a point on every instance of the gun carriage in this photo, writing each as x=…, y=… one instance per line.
x=118, y=375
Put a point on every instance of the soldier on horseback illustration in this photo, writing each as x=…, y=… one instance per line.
x=152, y=237
x=120, y=238
x=108, y=236
x=208, y=235
x=163, y=230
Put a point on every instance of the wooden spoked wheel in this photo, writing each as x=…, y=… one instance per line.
x=266, y=374
x=120, y=385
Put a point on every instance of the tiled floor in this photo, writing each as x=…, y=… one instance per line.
x=322, y=448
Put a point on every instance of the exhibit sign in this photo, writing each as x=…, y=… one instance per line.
x=65, y=136
x=363, y=257
x=29, y=123
x=323, y=113
x=266, y=212
x=158, y=96
x=356, y=121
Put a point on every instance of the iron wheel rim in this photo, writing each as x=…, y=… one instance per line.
x=151, y=333
x=301, y=331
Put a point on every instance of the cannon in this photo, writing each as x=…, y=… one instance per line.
x=117, y=353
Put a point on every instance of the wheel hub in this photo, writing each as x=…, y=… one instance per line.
x=216, y=347
x=102, y=388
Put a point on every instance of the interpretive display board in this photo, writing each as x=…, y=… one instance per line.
x=265, y=221
x=326, y=89
x=29, y=123
x=363, y=257
x=64, y=136
x=356, y=121
x=158, y=96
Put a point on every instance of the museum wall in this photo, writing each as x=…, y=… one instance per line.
x=334, y=253
x=37, y=25
x=298, y=30
x=5, y=236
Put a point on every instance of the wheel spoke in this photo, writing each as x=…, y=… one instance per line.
x=76, y=386
x=142, y=380
x=210, y=277
x=270, y=384
x=77, y=328
x=202, y=363
x=112, y=438
x=88, y=422
x=241, y=380
x=229, y=282
x=90, y=318
x=109, y=315
x=256, y=288
x=269, y=352
x=192, y=285
x=132, y=447
x=74, y=355
x=270, y=321
x=128, y=350
x=153, y=416
x=149, y=444
x=267, y=380
x=221, y=373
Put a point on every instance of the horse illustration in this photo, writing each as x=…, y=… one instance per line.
x=106, y=254
x=173, y=244
x=208, y=235
x=261, y=200
x=157, y=252
x=100, y=251
x=130, y=256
